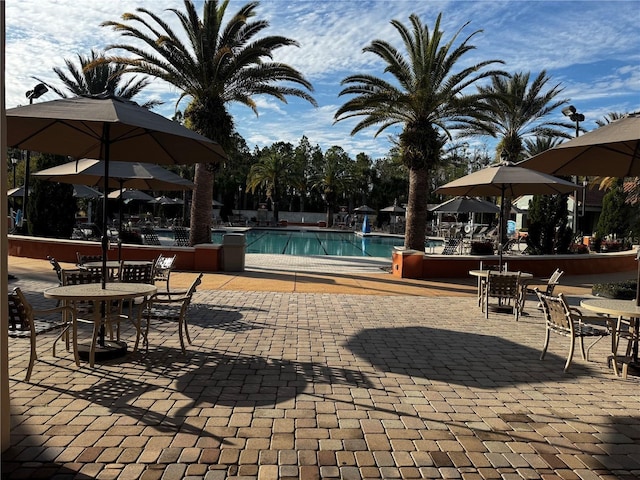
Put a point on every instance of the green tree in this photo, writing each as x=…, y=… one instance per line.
x=275, y=171
x=52, y=206
x=615, y=215
x=334, y=180
x=548, y=231
x=427, y=101
x=219, y=64
x=518, y=109
x=94, y=76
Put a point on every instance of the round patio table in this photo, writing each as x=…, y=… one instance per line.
x=95, y=293
x=618, y=308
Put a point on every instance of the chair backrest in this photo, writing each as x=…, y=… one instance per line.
x=80, y=276
x=20, y=309
x=191, y=291
x=136, y=272
x=181, y=236
x=554, y=279
x=503, y=284
x=451, y=246
x=56, y=267
x=162, y=267
x=82, y=259
x=557, y=313
x=150, y=236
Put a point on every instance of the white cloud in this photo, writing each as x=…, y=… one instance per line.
x=592, y=48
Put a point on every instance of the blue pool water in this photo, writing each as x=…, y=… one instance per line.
x=309, y=242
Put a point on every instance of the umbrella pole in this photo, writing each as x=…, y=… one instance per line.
x=120, y=223
x=501, y=229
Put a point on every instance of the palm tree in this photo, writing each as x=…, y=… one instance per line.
x=219, y=64
x=93, y=76
x=517, y=110
x=274, y=171
x=428, y=101
x=335, y=178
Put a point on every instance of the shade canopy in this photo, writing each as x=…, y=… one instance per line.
x=79, y=191
x=393, y=209
x=364, y=209
x=506, y=180
x=612, y=150
x=107, y=128
x=163, y=200
x=466, y=205
x=141, y=176
x=130, y=194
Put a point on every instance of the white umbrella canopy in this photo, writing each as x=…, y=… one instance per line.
x=612, y=150
x=137, y=175
x=506, y=180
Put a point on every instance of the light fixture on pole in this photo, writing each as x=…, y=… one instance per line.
x=14, y=163
x=571, y=112
x=39, y=90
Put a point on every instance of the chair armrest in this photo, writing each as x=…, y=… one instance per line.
x=48, y=311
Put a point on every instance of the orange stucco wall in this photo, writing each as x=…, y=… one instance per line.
x=457, y=266
x=201, y=258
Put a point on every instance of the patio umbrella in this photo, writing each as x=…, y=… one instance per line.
x=106, y=128
x=82, y=191
x=506, y=179
x=136, y=175
x=79, y=191
x=130, y=194
x=364, y=209
x=395, y=208
x=466, y=204
x=612, y=150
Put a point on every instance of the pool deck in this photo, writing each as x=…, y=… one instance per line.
x=307, y=369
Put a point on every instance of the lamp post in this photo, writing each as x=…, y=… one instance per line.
x=14, y=163
x=574, y=116
x=39, y=90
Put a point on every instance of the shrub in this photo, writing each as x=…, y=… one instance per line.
x=578, y=248
x=481, y=248
x=619, y=290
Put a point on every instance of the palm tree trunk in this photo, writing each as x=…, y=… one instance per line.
x=416, y=227
x=201, y=206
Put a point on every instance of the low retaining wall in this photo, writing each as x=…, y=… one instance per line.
x=415, y=264
x=201, y=258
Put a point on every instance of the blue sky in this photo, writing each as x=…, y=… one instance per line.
x=591, y=48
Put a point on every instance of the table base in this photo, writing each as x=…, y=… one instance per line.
x=501, y=308
x=110, y=350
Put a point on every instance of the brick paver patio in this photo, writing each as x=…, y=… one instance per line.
x=290, y=384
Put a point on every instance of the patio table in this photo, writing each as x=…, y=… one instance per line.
x=97, y=294
x=621, y=309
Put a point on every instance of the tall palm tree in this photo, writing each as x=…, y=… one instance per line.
x=92, y=76
x=274, y=171
x=427, y=101
x=518, y=110
x=219, y=64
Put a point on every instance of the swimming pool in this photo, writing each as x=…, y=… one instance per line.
x=308, y=242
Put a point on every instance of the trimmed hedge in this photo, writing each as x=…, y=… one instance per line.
x=618, y=290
